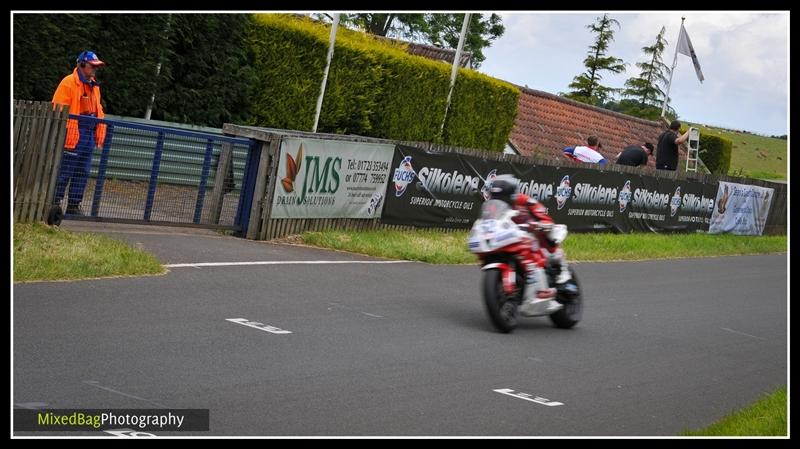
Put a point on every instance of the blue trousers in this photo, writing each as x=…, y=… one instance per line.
x=75, y=167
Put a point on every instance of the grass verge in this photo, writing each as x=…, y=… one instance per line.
x=43, y=253
x=451, y=247
x=767, y=417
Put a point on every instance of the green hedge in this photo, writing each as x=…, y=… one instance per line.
x=482, y=112
x=374, y=88
x=262, y=70
x=204, y=77
x=288, y=56
x=715, y=152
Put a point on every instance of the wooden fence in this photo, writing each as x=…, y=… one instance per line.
x=39, y=132
x=263, y=227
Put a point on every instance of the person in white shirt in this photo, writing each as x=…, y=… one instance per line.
x=587, y=153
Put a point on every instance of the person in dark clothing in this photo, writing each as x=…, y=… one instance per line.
x=667, y=147
x=635, y=155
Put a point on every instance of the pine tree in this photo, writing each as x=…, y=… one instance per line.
x=646, y=87
x=586, y=87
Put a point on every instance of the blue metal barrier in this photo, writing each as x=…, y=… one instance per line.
x=201, y=194
x=248, y=186
x=162, y=175
x=101, y=175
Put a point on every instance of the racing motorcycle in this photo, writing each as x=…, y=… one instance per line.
x=499, y=242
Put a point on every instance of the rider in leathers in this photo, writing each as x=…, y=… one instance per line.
x=533, y=218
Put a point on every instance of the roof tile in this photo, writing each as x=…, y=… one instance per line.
x=546, y=124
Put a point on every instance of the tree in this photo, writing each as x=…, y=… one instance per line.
x=654, y=72
x=644, y=96
x=586, y=86
x=445, y=30
x=433, y=29
x=386, y=24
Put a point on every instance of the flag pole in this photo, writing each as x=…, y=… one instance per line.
x=327, y=68
x=672, y=71
x=456, y=63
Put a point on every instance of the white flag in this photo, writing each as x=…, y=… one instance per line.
x=685, y=47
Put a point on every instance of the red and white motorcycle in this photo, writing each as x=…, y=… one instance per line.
x=500, y=244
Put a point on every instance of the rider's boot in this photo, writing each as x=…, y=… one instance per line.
x=539, y=297
x=557, y=259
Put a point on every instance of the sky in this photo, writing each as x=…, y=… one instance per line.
x=744, y=57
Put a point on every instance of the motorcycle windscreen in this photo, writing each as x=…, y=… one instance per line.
x=494, y=209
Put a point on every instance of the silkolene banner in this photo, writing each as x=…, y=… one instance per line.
x=590, y=199
x=741, y=209
x=433, y=189
x=331, y=179
x=447, y=190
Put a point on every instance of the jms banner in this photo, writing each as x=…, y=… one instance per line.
x=447, y=190
x=331, y=179
x=741, y=209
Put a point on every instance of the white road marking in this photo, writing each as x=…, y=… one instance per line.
x=282, y=262
x=94, y=383
x=257, y=325
x=128, y=433
x=742, y=333
x=348, y=308
x=527, y=397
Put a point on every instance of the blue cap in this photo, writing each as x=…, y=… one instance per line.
x=90, y=57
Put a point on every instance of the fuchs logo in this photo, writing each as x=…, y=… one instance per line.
x=374, y=203
x=563, y=192
x=625, y=196
x=486, y=191
x=675, y=202
x=403, y=175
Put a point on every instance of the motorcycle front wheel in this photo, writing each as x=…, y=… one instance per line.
x=501, y=308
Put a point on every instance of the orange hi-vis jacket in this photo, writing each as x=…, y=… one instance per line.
x=82, y=100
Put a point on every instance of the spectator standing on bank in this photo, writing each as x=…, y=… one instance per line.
x=667, y=147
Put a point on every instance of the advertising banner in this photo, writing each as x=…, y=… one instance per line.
x=435, y=189
x=331, y=179
x=741, y=209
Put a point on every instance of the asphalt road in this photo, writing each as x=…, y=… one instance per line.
x=401, y=349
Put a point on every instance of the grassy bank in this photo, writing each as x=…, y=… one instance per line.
x=767, y=417
x=451, y=248
x=752, y=155
x=42, y=253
